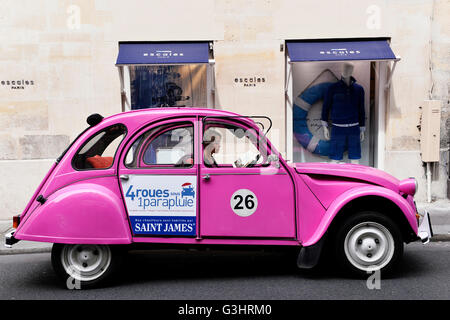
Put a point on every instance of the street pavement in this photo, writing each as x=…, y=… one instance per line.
x=26, y=273
x=208, y=275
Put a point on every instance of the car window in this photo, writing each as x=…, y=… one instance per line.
x=164, y=146
x=99, y=150
x=229, y=145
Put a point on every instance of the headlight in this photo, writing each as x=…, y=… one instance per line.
x=408, y=186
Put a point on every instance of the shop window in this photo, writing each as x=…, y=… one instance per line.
x=166, y=86
x=99, y=151
x=164, y=74
x=335, y=91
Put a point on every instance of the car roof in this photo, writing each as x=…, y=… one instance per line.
x=136, y=118
x=185, y=111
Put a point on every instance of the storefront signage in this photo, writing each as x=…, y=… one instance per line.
x=340, y=52
x=249, y=81
x=163, y=54
x=17, y=84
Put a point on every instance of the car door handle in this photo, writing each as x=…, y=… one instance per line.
x=206, y=177
x=124, y=177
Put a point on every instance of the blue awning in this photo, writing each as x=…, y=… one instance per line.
x=163, y=53
x=340, y=50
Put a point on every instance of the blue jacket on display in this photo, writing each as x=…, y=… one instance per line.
x=346, y=103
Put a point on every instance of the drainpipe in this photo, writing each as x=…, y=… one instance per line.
x=448, y=171
x=428, y=182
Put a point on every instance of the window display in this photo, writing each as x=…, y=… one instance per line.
x=166, y=74
x=344, y=103
x=329, y=114
x=165, y=86
x=336, y=99
x=302, y=105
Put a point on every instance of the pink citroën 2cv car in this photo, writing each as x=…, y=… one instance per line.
x=178, y=177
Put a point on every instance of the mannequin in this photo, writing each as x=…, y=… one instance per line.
x=345, y=100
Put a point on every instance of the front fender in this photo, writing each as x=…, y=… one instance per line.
x=353, y=194
x=86, y=212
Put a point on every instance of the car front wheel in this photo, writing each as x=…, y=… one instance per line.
x=367, y=242
x=85, y=265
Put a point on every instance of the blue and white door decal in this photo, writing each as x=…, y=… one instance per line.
x=161, y=205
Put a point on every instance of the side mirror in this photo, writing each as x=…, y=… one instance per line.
x=94, y=119
x=273, y=159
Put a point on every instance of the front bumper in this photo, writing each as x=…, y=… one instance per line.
x=9, y=238
x=425, y=231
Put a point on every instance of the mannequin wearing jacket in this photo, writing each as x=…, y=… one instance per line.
x=344, y=104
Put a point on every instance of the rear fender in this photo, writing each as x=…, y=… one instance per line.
x=353, y=194
x=86, y=212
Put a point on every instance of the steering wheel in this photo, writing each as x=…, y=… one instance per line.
x=251, y=163
x=185, y=161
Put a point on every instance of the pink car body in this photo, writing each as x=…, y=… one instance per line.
x=297, y=203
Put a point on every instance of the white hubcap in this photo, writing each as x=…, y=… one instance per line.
x=369, y=246
x=85, y=262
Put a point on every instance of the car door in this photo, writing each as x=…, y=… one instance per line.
x=242, y=194
x=159, y=180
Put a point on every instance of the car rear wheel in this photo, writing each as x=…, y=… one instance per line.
x=367, y=242
x=85, y=265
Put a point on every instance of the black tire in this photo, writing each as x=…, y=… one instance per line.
x=60, y=253
x=360, y=230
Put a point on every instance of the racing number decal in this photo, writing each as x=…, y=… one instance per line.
x=244, y=202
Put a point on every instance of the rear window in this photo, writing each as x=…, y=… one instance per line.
x=99, y=151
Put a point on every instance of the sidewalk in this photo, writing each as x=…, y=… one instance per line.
x=21, y=246
x=440, y=217
x=439, y=213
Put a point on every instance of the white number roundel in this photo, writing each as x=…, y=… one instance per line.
x=244, y=202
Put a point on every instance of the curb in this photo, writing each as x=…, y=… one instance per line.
x=440, y=237
x=11, y=251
